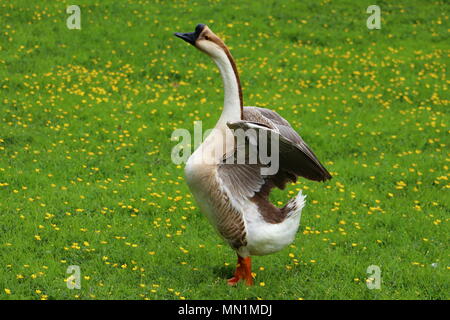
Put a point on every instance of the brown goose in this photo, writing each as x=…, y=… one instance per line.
x=234, y=196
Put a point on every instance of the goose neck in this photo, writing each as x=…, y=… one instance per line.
x=232, y=106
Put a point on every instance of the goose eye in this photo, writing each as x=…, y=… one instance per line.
x=206, y=38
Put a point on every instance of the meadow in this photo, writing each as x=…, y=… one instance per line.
x=86, y=176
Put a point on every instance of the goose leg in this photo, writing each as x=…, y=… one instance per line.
x=243, y=272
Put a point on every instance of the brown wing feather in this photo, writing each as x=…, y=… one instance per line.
x=296, y=159
x=295, y=155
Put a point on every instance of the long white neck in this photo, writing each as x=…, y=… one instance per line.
x=232, y=100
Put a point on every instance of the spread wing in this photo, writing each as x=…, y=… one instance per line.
x=295, y=155
x=295, y=159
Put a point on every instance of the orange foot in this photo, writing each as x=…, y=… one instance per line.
x=243, y=272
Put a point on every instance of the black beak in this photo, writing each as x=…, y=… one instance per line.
x=188, y=37
x=191, y=37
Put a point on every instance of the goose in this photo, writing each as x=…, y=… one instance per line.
x=235, y=196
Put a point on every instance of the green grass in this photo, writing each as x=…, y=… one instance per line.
x=86, y=118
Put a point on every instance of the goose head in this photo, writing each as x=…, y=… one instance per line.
x=208, y=42
x=205, y=40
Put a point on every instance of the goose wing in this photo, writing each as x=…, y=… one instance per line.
x=295, y=159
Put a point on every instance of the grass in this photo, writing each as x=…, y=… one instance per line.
x=86, y=176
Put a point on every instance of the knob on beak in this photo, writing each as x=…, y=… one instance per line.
x=191, y=37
